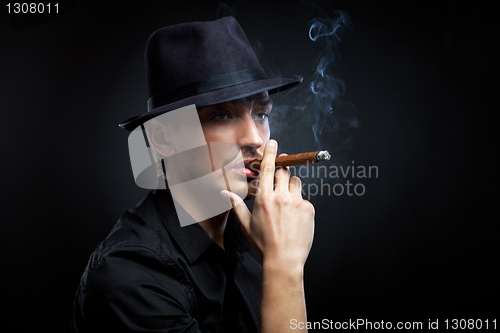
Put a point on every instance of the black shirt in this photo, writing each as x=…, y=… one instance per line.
x=150, y=274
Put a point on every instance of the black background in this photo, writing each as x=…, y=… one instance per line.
x=419, y=244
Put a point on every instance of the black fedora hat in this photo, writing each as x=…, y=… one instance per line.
x=202, y=63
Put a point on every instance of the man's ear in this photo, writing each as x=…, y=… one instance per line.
x=158, y=138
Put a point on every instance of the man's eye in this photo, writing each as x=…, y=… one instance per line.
x=220, y=116
x=261, y=115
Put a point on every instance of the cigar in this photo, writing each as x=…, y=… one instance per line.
x=295, y=159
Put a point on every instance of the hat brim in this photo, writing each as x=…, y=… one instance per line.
x=217, y=96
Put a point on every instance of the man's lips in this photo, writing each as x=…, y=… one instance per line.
x=249, y=173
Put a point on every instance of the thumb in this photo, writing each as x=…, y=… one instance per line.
x=239, y=207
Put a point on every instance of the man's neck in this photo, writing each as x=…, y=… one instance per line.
x=215, y=227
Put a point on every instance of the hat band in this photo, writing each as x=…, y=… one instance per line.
x=208, y=84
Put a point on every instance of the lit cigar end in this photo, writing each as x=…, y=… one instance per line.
x=323, y=155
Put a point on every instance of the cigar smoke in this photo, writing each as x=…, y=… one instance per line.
x=312, y=115
x=329, y=113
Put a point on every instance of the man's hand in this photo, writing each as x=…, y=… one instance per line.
x=281, y=227
x=281, y=230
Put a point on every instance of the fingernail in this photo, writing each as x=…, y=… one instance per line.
x=271, y=143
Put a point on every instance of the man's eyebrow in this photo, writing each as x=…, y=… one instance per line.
x=265, y=102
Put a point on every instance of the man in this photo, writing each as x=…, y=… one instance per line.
x=151, y=274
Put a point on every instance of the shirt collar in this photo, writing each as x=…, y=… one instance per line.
x=192, y=239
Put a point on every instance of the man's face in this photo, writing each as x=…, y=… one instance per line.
x=243, y=122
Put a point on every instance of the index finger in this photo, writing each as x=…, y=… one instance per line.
x=267, y=167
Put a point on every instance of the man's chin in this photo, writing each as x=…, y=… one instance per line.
x=252, y=189
x=250, y=196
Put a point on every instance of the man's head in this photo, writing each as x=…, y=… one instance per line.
x=210, y=65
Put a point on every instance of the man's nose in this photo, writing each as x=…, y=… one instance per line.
x=248, y=134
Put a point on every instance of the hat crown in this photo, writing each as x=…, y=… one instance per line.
x=190, y=52
x=202, y=63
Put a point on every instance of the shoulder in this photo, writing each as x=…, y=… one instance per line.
x=132, y=280
x=138, y=232
x=137, y=252
x=137, y=249
x=132, y=288
x=127, y=270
